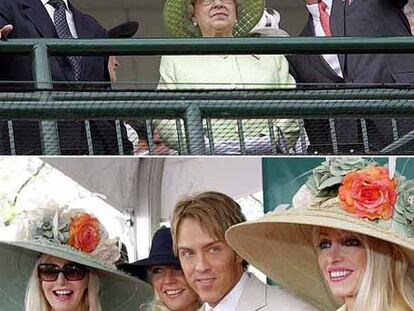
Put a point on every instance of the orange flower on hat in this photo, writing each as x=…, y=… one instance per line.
x=84, y=232
x=369, y=193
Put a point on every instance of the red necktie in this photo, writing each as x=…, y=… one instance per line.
x=324, y=17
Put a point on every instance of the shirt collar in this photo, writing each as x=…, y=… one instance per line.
x=252, y=55
x=229, y=302
x=66, y=3
x=313, y=8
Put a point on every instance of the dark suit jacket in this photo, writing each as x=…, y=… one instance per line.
x=361, y=18
x=31, y=20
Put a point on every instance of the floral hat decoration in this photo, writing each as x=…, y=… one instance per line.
x=351, y=194
x=74, y=235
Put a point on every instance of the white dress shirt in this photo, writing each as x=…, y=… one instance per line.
x=331, y=59
x=69, y=16
x=229, y=302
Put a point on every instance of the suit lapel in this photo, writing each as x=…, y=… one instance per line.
x=337, y=19
x=38, y=16
x=308, y=30
x=337, y=22
x=84, y=32
x=82, y=27
x=253, y=296
x=315, y=60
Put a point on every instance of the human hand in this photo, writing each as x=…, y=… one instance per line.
x=5, y=30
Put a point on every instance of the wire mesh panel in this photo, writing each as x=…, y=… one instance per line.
x=247, y=122
x=250, y=117
x=66, y=137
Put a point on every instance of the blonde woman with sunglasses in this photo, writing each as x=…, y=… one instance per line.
x=64, y=260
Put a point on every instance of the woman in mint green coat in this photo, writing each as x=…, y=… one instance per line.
x=224, y=18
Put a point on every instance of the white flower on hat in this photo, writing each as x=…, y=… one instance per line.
x=304, y=198
x=73, y=228
x=108, y=250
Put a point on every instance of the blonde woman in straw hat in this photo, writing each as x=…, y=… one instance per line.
x=346, y=242
x=224, y=18
x=64, y=260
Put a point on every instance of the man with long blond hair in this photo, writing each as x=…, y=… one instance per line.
x=214, y=271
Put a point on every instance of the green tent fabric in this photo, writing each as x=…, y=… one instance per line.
x=282, y=177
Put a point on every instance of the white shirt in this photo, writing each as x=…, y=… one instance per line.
x=229, y=302
x=69, y=16
x=331, y=59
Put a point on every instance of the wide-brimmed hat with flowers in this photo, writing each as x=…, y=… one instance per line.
x=350, y=194
x=73, y=235
x=177, y=17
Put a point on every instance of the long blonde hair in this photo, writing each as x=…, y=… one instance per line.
x=36, y=300
x=386, y=280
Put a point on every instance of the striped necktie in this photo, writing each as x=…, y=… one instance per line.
x=324, y=18
x=63, y=31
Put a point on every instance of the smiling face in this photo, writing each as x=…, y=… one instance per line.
x=210, y=266
x=342, y=258
x=216, y=18
x=172, y=288
x=63, y=295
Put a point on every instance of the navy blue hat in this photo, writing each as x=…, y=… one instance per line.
x=124, y=30
x=161, y=253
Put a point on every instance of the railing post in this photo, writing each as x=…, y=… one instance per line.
x=195, y=133
x=42, y=77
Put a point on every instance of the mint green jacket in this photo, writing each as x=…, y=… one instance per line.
x=228, y=72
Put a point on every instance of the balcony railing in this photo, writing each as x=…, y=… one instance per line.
x=195, y=107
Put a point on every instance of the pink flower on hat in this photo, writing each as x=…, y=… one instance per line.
x=369, y=193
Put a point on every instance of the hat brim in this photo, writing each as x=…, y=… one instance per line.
x=158, y=260
x=176, y=17
x=139, y=267
x=118, y=291
x=124, y=30
x=280, y=245
x=270, y=32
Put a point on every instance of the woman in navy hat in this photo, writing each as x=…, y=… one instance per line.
x=162, y=269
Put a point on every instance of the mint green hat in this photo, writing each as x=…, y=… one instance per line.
x=73, y=235
x=177, y=18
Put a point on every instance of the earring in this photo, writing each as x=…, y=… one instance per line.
x=195, y=24
x=236, y=21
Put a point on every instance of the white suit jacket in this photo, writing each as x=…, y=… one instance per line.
x=259, y=296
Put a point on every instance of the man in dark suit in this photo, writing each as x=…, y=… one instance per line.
x=55, y=19
x=357, y=18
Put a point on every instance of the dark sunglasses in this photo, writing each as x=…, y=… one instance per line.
x=50, y=272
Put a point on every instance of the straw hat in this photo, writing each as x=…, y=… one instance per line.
x=73, y=235
x=177, y=17
x=349, y=194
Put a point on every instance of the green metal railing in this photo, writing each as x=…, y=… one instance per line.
x=48, y=105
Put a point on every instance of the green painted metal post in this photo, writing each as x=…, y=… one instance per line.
x=195, y=133
x=42, y=77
